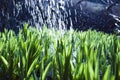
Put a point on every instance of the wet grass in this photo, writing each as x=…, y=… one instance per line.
x=49, y=54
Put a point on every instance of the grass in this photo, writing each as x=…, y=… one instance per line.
x=59, y=55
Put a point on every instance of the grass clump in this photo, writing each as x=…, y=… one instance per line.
x=59, y=55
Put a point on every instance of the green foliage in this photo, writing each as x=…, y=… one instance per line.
x=59, y=55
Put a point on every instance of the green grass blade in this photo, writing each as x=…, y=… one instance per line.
x=32, y=66
x=4, y=61
x=46, y=71
x=107, y=73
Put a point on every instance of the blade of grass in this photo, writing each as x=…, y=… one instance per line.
x=4, y=61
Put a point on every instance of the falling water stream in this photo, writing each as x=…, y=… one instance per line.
x=45, y=12
x=35, y=12
x=52, y=13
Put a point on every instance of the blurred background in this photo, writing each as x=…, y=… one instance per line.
x=102, y=15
